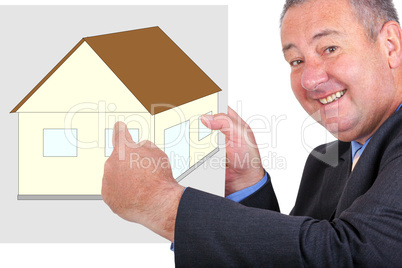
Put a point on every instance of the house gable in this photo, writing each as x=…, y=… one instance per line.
x=104, y=68
x=81, y=82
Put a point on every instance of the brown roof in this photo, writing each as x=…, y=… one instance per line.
x=150, y=65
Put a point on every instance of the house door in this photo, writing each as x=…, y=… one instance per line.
x=177, y=147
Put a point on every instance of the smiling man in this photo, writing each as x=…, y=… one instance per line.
x=341, y=71
x=346, y=72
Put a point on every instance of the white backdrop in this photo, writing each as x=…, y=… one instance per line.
x=259, y=87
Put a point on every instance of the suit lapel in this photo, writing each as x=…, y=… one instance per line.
x=337, y=180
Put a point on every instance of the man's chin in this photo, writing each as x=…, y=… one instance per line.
x=345, y=136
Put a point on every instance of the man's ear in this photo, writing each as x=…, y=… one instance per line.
x=391, y=34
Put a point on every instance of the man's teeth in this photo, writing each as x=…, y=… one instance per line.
x=333, y=97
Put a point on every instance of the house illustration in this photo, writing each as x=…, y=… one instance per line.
x=140, y=77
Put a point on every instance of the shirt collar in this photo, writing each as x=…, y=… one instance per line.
x=400, y=105
x=359, y=148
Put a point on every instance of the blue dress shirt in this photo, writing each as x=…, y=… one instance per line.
x=240, y=195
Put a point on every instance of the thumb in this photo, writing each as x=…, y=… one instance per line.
x=121, y=136
x=220, y=122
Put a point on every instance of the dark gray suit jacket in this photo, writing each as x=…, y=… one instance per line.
x=340, y=219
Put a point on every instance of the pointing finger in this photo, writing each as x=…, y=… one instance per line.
x=121, y=136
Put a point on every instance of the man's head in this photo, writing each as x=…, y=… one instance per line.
x=345, y=63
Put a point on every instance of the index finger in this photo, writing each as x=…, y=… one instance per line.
x=121, y=135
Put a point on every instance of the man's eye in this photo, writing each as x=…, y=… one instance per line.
x=331, y=49
x=295, y=63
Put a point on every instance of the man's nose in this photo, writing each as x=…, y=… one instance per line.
x=314, y=74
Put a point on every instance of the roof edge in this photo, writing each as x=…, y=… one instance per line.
x=88, y=41
x=16, y=108
x=112, y=33
x=153, y=112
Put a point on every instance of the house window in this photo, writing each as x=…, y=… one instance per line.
x=203, y=131
x=177, y=147
x=109, y=139
x=60, y=142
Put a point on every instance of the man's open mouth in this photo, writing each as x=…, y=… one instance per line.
x=333, y=97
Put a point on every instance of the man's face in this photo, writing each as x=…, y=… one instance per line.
x=338, y=74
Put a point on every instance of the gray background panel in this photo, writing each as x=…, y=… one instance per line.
x=34, y=40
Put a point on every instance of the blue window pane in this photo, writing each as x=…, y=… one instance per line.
x=134, y=132
x=60, y=142
x=177, y=147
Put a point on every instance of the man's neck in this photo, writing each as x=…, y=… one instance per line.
x=367, y=138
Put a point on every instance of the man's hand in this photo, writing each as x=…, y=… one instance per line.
x=138, y=184
x=243, y=162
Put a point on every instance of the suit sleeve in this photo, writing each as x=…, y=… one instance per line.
x=215, y=232
x=264, y=198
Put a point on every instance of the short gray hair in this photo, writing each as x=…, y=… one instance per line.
x=371, y=13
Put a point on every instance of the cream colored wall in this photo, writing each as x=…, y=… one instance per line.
x=189, y=111
x=85, y=83
x=81, y=175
